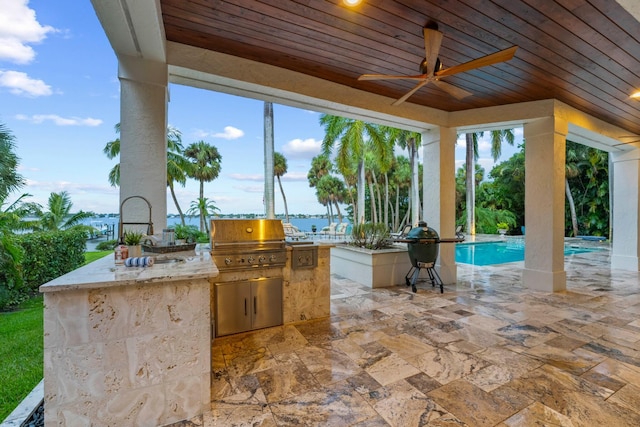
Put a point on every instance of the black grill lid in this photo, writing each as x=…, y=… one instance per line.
x=422, y=231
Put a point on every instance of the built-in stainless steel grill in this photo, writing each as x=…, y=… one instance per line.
x=250, y=255
x=247, y=243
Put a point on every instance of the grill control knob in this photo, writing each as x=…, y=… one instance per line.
x=227, y=261
x=273, y=258
x=262, y=259
x=250, y=260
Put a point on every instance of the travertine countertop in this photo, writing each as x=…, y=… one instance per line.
x=187, y=265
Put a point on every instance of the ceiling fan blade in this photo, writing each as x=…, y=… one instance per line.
x=432, y=42
x=411, y=92
x=494, y=58
x=452, y=90
x=391, y=77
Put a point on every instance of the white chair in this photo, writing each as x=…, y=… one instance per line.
x=292, y=232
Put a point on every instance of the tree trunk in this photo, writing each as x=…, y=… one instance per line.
x=202, y=208
x=397, y=212
x=415, y=197
x=269, y=202
x=372, y=202
x=175, y=201
x=572, y=207
x=471, y=186
x=360, y=189
x=284, y=199
x=386, y=200
x=338, y=211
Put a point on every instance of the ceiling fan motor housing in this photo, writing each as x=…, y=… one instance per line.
x=423, y=66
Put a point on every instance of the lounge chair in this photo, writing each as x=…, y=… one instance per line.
x=341, y=229
x=292, y=232
x=329, y=230
x=401, y=233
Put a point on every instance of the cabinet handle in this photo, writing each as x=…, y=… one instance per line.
x=255, y=305
x=245, y=306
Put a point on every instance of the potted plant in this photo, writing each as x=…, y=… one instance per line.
x=313, y=228
x=133, y=240
x=502, y=227
x=186, y=234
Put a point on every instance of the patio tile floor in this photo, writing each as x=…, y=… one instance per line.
x=487, y=352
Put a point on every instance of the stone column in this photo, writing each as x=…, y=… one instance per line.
x=439, y=194
x=626, y=204
x=544, y=204
x=143, y=140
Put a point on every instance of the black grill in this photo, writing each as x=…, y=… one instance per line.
x=423, y=244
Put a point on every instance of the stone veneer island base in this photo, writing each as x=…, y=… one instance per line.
x=128, y=345
x=132, y=346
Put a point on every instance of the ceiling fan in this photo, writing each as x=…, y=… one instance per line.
x=433, y=71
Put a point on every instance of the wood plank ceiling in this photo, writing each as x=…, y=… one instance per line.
x=584, y=53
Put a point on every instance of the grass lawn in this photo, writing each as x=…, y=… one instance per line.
x=21, y=351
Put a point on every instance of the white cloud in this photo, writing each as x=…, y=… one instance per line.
x=247, y=177
x=294, y=176
x=250, y=188
x=302, y=148
x=229, y=133
x=60, y=121
x=19, y=28
x=20, y=83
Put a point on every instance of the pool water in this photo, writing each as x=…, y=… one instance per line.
x=489, y=253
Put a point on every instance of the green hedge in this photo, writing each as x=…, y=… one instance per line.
x=50, y=254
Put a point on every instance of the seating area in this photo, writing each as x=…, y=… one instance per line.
x=335, y=230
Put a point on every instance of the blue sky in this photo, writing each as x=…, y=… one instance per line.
x=59, y=96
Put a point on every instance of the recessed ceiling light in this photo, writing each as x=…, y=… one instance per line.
x=635, y=95
x=352, y=3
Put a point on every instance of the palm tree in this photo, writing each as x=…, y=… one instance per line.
x=10, y=179
x=205, y=167
x=177, y=165
x=497, y=137
x=59, y=216
x=411, y=142
x=572, y=170
x=203, y=207
x=353, y=136
x=334, y=191
x=279, y=169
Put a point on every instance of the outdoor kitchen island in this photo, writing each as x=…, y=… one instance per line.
x=132, y=345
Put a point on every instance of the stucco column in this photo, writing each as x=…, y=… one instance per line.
x=626, y=205
x=545, y=142
x=143, y=140
x=439, y=194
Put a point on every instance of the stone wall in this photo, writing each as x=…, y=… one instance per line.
x=127, y=355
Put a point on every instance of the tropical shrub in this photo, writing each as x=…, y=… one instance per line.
x=370, y=236
x=50, y=254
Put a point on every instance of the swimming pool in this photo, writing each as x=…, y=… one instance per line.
x=489, y=253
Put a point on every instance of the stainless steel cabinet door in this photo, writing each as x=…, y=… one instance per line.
x=266, y=302
x=233, y=307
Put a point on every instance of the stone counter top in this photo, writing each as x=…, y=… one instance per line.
x=103, y=273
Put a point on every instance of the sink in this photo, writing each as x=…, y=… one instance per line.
x=169, y=260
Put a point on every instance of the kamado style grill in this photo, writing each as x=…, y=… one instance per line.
x=423, y=246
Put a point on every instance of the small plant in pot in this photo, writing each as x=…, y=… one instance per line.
x=502, y=227
x=133, y=241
